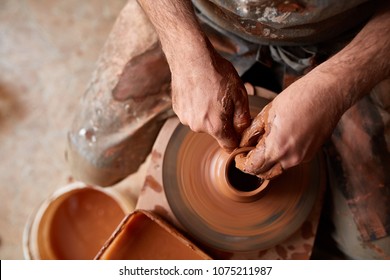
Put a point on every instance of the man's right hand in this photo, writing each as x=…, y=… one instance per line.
x=209, y=96
x=207, y=92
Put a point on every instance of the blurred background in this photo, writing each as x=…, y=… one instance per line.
x=48, y=49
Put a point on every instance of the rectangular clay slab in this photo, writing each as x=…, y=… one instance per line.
x=144, y=236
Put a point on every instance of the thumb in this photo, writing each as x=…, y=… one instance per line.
x=228, y=140
x=258, y=162
x=242, y=116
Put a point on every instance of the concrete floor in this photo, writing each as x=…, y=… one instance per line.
x=48, y=49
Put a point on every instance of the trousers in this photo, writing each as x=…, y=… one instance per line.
x=128, y=100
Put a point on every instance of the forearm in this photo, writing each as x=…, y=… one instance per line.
x=207, y=93
x=180, y=34
x=363, y=63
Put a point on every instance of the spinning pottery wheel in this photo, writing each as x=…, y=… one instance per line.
x=193, y=184
x=220, y=215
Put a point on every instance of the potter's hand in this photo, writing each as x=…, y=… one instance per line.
x=207, y=93
x=209, y=96
x=291, y=129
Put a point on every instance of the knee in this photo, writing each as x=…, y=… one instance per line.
x=88, y=163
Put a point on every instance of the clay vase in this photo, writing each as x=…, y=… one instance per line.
x=229, y=211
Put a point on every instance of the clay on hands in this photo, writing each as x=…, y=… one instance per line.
x=291, y=129
x=210, y=97
x=255, y=135
x=207, y=93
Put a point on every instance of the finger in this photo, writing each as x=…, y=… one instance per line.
x=259, y=160
x=249, y=89
x=276, y=170
x=242, y=116
x=240, y=160
x=255, y=160
x=252, y=134
x=223, y=131
x=259, y=163
x=228, y=140
x=256, y=130
x=234, y=119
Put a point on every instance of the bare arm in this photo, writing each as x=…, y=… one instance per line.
x=298, y=121
x=178, y=30
x=364, y=62
x=207, y=93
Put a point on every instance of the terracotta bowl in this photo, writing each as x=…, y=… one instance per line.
x=74, y=222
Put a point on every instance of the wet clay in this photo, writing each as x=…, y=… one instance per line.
x=224, y=226
x=79, y=226
x=143, y=236
x=242, y=181
x=255, y=135
x=235, y=177
x=224, y=213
